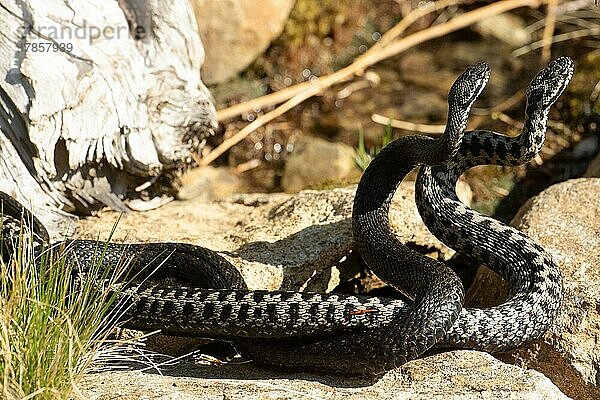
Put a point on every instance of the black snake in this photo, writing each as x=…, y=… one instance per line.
x=355, y=333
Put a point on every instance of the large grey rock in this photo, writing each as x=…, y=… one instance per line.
x=593, y=170
x=565, y=220
x=235, y=32
x=209, y=183
x=316, y=162
x=292, y=241
x=453, y=375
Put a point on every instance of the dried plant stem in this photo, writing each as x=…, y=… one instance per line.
x=439, y=129
x=409, y=126
x=411, y=18
x=358, y=66
x=502, y=106
x=548, y=31
x=299, y=93
x=260, y=121
x=263, y=101
x=556, y=39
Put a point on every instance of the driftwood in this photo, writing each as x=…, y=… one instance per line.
x=101, y=103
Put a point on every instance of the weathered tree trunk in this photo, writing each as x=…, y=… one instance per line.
x=101, y=103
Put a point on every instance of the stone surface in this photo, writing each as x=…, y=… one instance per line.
x=235, y=32
x=209, y=183
x=275, y=240
x=453, y=375
x=291, y=241
x=593, y=170
x=565, y=220
x=316, y=163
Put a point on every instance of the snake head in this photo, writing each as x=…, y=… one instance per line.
x=547, y=86
x=468, y=86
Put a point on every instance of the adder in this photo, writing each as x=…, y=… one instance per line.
x=341, y=332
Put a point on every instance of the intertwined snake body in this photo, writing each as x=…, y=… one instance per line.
x=532, y=276
x=354, y=333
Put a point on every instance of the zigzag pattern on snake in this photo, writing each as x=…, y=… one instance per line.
x=532, y=276
x=335, y=331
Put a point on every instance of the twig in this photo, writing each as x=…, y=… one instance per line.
x=555, y=39
x=502, y=106
x=286, y=94
x=409, y=126
x=572, y=19
x=433, y=32
x=411, y=17
x=343, y=75
x=371, y=79
x=263, y=101
x=248, y=165
x=439, y=129
x=548, y=31
x=366, y=60
x=260, y=121
x=500, y=116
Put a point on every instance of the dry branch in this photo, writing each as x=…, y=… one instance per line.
x=556, y=39
x=409, y=126
x=297, y=94
x=411, y=18
x=548, y=30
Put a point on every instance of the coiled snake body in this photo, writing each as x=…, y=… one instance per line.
x=359, y=333
x=532, y=275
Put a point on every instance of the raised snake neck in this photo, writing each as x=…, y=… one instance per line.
x=533, y=277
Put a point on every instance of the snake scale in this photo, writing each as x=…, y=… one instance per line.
x=353, y=333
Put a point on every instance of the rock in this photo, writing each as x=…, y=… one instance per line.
x=593, y=170
x=565, y=220
x=506, y=27
x=316, y=163
x=209, y=183
x=235, y=32
x=586, y=148
x=452, y=375
x=406, y=222
x=276, y=240
x=423, y=105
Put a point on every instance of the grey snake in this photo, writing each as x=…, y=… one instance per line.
x=354, y=333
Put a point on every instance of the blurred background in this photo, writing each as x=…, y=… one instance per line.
x=258, y=48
